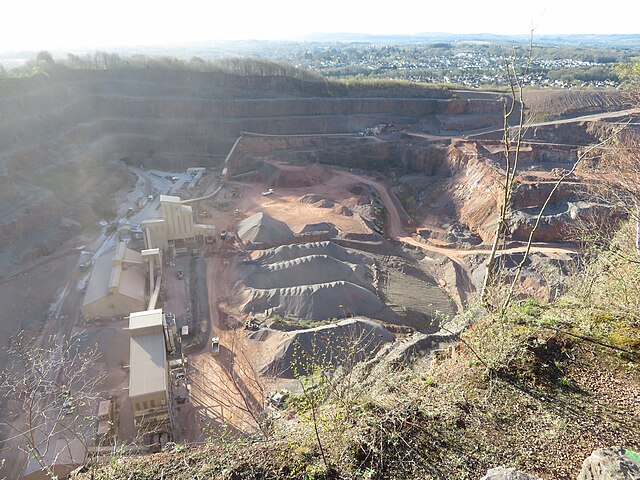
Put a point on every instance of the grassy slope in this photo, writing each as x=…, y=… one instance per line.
x=539, y=389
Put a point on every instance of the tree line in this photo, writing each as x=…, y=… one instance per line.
x=45, y=64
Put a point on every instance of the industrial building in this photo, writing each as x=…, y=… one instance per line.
x=176, y=225
x=106, y=428
x=151, y=339
x=63, y=456
x=116, y=286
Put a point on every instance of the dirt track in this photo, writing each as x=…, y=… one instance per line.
x=584, y=118
x=463, y=284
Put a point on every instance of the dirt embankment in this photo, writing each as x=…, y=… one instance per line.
x=367, y=153
x=549, y=104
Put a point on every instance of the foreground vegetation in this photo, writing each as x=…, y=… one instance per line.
x=539, y=388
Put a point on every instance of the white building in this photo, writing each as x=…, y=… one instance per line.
x=149, y=368
x=117, y=285
x=177, y=224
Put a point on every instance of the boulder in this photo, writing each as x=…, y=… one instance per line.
x=613, y=463
x=508, y=473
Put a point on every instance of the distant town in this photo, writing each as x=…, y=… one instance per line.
x=472, y=65
x=468, y=61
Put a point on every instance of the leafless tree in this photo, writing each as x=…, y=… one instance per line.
x=582, y=156
x=327, y=373
x=619, y=170
x=512, y=142
x=50, y=392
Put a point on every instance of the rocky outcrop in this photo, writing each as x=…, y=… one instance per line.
x=557, y=218
x=507, y=473
x=614, y=463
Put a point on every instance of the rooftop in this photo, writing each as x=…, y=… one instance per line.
x=148, y=320
x=151, y=221
x=104, y=409
x=108, y=272
x=148, y=372
x=99, y=282
x=170, y=199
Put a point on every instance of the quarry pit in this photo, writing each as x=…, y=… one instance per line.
x=346, y=215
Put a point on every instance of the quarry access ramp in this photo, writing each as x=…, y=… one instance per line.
x=225, y=173
x=594, y=117
x=294, y=135
x=225, y=170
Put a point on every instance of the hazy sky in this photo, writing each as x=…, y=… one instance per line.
x=77, y=24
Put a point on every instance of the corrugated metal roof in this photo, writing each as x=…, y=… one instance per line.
x=114, y=277
x=119, y=253
x=148, y=373
x=128, y=281
x=132, y=283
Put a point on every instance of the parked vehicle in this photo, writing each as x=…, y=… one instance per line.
x=215, y=346
x=180, y=275
x=252, y=325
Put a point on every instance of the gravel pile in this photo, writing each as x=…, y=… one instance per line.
x=313, y=302
x=308, y=270
x=289, y=252
x=263, y=229
x=342, y=343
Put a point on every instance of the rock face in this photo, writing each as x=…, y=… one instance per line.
x=507, y=473
x=614, y=463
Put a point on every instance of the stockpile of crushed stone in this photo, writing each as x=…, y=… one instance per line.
x=261, y=228
x=313, y=302
x=289, y=252
x=342, y=210
x=312, y=281
x=343, y=343
x=312, y=198
x=320, y=227
x=306, y=271
x=322, y=202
